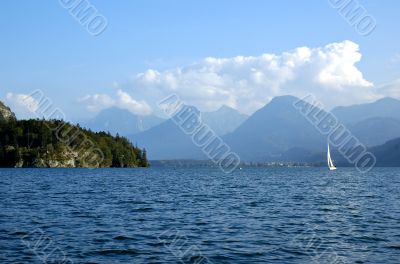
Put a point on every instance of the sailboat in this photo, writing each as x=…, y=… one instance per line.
x=330, y=162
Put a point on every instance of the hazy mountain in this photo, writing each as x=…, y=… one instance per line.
x=167, y=141
x=116, y=120
x=276, y=132
x=274, y=129
x=372, y=123
x=224, y=120
x=385, y=107
x=376, y=130
x=387, y=154
x=5, y=113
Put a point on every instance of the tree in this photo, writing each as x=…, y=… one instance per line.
x=144, y=161
x=30, y=140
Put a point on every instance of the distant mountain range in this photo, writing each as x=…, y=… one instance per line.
x=276, y=132
x=167, y=141
x=388, y=154
x=116, y=120
x=385, y=107
x=373, y=123
x=274, y=129
x=376, y=130
x=223, y=121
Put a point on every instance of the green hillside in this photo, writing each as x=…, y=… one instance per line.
x=55, y=143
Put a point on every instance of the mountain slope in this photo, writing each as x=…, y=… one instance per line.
x=376, y=130
x=277, y=132
x=167, y=141
x=385, y=107
x=387, y=154
x=273, y=130
x=223, y=121
x=121, y=121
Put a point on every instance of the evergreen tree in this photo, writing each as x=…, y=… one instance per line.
x=144, y=161
x=35, y=140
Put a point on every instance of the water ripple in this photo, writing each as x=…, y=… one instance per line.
x=172, y=215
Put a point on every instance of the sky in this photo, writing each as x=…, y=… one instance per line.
x=210, y=53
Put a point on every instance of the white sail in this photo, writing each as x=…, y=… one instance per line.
x=329, y=159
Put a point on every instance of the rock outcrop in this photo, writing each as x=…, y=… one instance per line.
x=6, y=114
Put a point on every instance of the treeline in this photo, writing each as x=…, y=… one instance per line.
x=55, y=143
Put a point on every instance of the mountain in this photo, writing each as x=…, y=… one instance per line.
x=376, y=130
x=167, y=141
x=276, y=132
x=223, y=121
x=6, y=114
x=121, y=121
x=372, y=123
x=387, y=154
x=385, y=107
x=273, y=130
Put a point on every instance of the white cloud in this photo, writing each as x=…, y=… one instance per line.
x=23, y=105
x=248, y=83
x=137, y=107
x=339, y=66
x=98, y=102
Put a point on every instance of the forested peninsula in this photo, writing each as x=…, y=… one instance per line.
x=59, y=144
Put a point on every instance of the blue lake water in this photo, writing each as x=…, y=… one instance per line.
x=199, y=215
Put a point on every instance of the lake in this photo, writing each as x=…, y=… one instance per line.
x=199, y=215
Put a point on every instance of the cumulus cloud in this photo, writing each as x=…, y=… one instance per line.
x=98, y=102
x=23, y=105
x=137, y=107
x=249, y=82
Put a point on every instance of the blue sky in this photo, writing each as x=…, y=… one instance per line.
x=44, y=47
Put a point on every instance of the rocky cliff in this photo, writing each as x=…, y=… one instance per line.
x=6, y=114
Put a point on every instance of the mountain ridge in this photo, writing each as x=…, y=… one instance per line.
x=121, y=121
x=383, y=107
x=273, y=130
